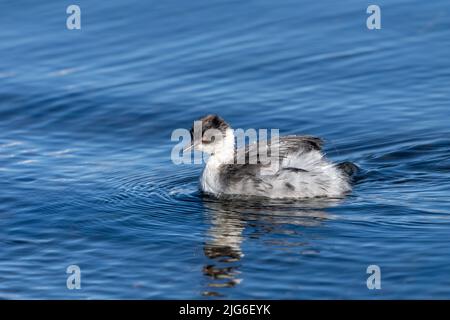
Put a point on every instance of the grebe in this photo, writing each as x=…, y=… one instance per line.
x=302, y=170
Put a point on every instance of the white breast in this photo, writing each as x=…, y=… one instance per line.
x=209, y=181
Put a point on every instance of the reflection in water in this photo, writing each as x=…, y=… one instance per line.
x=230, y=217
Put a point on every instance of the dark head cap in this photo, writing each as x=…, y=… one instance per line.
x=212, y=121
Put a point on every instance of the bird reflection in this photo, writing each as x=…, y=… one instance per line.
x=230, y=217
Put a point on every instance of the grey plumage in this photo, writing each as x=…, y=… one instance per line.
x=301, y=169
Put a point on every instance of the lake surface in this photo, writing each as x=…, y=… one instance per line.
x=86, y=176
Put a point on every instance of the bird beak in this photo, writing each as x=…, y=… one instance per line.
x=188, y=148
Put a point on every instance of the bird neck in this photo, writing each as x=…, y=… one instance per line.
x=224, y=154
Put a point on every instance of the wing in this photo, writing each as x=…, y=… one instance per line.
x=285, y=146
x=296, y=144
x=249, y=170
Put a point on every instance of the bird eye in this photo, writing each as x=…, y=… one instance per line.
x=209, y=141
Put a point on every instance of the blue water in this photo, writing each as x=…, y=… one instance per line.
x=86, y=176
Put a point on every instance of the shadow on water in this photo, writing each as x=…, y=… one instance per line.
x=230, y=219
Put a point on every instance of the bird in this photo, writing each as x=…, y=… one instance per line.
x=297, y=168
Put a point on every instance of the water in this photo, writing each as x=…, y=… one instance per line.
x=85, y=170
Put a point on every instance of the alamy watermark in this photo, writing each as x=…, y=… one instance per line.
x=74, y=278
x=234, y=146
x=374, y=20
x=73, y=21
x=374, y=280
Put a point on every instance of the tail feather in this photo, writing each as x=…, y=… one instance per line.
x=350, y=169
